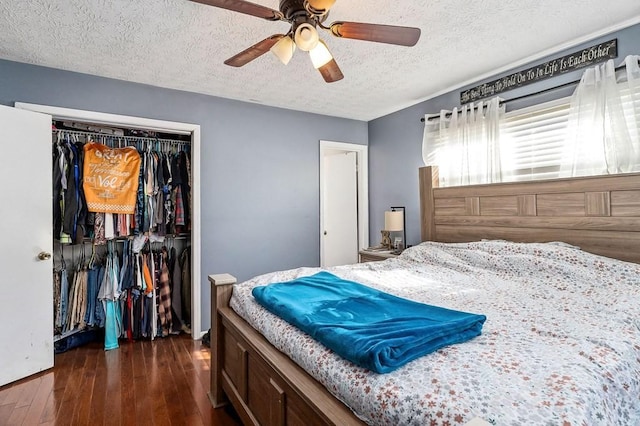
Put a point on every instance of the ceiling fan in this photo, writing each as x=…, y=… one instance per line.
x=305, y=17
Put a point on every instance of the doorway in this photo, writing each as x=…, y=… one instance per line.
x=28, y=230
x=344, y=202
x=116, y=120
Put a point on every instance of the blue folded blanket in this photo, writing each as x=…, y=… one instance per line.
x=370, y=328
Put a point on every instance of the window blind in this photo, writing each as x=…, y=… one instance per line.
x=532, y=141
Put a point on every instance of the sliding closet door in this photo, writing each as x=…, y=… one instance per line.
x=26, y=294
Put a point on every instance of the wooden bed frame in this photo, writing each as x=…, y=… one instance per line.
x=599, y=214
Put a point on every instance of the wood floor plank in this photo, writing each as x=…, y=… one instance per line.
x=14, y=393
x=175, y=407
x=72, y=388
x=127, y=394
x=155, y=383
x=183, y=386
x=184, y=373
x=29, y=392
x=49, y=410
x=182, y=383
x=39, y=401
x=4, y=391
x=99, y=394
x=5, y=413
x=17, y=416
x=82, y=408
x=113, y=403
x=144, y=414
x=198, y=391
x=62, y=367
x=156, y=366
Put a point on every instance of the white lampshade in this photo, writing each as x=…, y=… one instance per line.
x=393, y=221
x=306, y=37
x=284, y=49
x=321, y=5
x=320, y=55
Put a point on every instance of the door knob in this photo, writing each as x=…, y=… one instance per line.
x=43, y=255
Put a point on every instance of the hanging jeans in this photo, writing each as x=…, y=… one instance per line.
x=64, y=299
x=100, y=316
x=92, y=296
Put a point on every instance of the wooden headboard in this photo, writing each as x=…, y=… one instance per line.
x=600, y=214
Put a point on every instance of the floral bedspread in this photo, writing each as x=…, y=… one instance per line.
x=561, y=344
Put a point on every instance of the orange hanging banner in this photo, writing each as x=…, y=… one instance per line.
x=110, y=178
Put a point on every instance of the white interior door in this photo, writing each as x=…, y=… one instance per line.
x=26, y=292
x=340, y=230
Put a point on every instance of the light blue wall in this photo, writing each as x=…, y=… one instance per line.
x=259, y=165
x=395, y=141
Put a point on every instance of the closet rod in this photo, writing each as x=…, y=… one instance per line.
x=87, y=241
x=528, y=95
x=127, y=138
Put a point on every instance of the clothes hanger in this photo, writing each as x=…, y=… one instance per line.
x=81, y=262
x=92, y=259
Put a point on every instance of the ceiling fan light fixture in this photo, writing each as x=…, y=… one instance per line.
x=320, y=55
x=306, y=37
x=305, y=16
x=321, y=5
x=284, y=49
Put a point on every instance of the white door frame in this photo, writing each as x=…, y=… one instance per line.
x=59, y=113
x=363, y=189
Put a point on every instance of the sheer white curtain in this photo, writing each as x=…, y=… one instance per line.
x=603, y=135
x=465, y=143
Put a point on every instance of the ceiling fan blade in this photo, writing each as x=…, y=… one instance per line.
x=244, y=7
x=254, y=51
x=403, y=36
x=331, y=71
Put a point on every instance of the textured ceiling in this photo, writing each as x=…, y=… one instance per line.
x=182, y=45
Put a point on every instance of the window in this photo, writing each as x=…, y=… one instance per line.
x=535, y=142
x=532, y=141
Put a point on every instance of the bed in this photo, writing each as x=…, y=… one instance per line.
x=565, y=348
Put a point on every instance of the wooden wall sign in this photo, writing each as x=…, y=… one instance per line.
x=574, y=61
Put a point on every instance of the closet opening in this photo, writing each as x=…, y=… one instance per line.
x=135, y=275
x=136, y=282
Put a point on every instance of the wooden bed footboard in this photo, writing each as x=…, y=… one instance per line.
x=264, y=385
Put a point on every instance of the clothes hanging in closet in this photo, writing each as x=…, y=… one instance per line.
x=185, y=286
x=131, y=293
x=69, y=210
x=162, y=203
x=75, y=295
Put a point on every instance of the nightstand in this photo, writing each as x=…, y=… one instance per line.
x=375, y=255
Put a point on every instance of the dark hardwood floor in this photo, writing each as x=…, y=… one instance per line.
x=164, y=382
